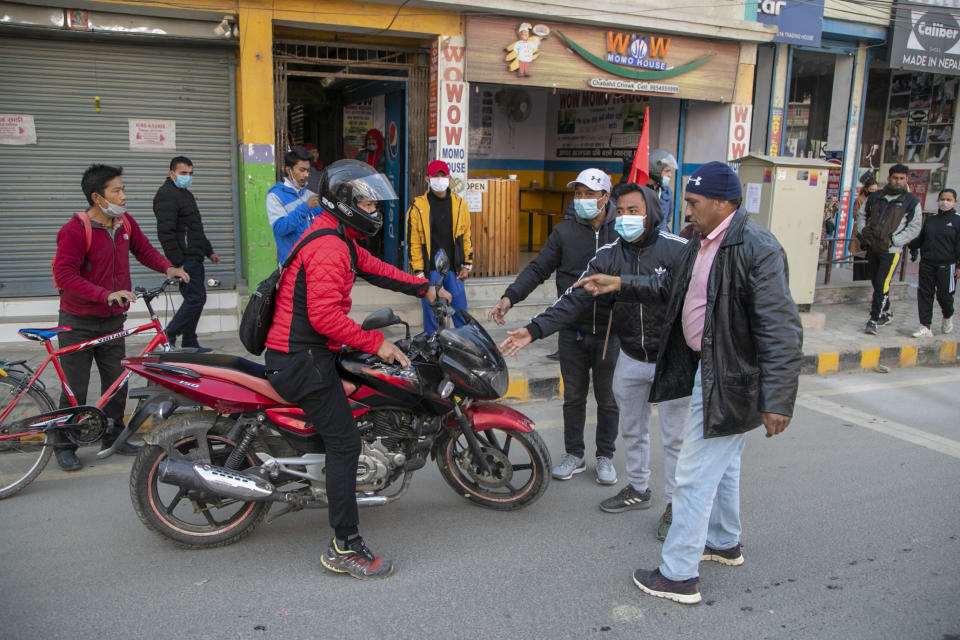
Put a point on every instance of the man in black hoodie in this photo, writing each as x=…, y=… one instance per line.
x=641, y=250
x=587, y=226
x=180, y=231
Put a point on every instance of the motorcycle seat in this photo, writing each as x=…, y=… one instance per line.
x=248, y=373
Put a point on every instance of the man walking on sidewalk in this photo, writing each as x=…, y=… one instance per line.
x=180, y=231
x=572, y=244
x=889, y=219
x=732, y=336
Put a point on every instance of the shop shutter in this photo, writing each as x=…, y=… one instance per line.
x=57, y=82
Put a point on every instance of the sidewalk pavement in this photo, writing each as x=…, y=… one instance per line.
x=840, y=346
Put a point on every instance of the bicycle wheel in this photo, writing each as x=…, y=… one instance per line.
x=22, y=459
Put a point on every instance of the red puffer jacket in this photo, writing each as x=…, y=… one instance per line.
x=89, y=277
x=313, y=299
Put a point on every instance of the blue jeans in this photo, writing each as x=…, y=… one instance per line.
x=706, y=500
x=459, y=293
x=184, y=322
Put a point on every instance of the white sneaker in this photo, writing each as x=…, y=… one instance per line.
x=923, y=332
x=947, y=326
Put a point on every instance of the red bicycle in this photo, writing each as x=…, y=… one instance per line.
x=29, y=417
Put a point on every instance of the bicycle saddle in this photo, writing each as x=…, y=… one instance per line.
x=42, y=334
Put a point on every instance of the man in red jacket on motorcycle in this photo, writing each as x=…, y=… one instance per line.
x=311, y=324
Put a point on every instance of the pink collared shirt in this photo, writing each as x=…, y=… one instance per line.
x=695, y=303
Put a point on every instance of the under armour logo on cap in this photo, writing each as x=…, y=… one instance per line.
x=715, y=180
x=593, y=179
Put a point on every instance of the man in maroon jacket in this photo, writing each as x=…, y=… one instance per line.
x=96, y=293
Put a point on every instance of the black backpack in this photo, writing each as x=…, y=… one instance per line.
x=258, y=316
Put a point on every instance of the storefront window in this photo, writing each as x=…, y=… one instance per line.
x=808, y=109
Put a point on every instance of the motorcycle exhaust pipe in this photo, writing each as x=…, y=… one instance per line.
x=218, y=481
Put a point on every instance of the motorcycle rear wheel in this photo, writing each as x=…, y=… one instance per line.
x=520, y=465
x=193, y=520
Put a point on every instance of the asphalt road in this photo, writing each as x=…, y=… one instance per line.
x=851, y=525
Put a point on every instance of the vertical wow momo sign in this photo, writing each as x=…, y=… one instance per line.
x=452, y=113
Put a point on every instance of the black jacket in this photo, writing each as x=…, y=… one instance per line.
x=939, y=239
x=567, y=251
x=179, y=227
x=636, y=322
x=752, y=339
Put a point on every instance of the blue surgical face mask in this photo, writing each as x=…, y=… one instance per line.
x=665, y=181
x=586, y=208
x=629, y=227
x=183, y=182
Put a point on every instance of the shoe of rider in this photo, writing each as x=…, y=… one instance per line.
x=68, y=460
x=353, y=557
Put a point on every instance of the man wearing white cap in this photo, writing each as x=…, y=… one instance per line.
x=587, y=226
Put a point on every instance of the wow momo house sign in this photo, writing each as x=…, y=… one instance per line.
x=520, y=51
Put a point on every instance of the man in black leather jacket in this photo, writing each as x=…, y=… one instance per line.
x=641, y=250
x=732, y=336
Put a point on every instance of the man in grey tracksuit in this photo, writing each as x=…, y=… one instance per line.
x=642, y=250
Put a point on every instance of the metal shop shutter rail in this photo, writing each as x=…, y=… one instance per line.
x=56, y=81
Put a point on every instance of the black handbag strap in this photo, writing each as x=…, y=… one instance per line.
x=316, y=234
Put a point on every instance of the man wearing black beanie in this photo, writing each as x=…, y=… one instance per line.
x=733, y=340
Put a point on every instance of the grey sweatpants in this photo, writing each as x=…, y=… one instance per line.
x=631, y=387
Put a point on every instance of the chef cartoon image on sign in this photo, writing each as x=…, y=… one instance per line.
x=525, y=50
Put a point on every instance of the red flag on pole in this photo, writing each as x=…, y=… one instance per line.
x=640, y=170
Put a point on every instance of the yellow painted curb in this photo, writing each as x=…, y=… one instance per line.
x=908, y=356
x=518, y=389
x=948, y=352
x=827, y=362
x=869, y=358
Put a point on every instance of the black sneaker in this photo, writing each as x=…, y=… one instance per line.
x=627, y=498
x=732, y=557
x=356, y=560
x=871, y=328
x=653, y=583
x=885, y=319
x=68, y=460
x=663, y=527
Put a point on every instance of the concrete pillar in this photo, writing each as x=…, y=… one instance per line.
x=778, y=102
x=256, y=137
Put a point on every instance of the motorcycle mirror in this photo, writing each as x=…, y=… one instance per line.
x=442, y=262
x=379, y=319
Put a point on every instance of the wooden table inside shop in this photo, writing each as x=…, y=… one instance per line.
x=544, y=192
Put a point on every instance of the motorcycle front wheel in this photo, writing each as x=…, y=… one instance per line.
x=518, y=462
x=189, y=518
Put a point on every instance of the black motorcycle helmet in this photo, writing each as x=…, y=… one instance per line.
x=346, y=182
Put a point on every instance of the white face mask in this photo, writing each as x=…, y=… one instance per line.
x=112, y=210
x=439, y=184
x=372, y=146
x=665, y=181
x=945, y=205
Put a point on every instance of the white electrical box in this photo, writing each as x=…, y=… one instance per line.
x=787, y=196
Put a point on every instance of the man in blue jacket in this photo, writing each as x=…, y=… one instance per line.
x=290, y=206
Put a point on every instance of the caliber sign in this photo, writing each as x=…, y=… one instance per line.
x=925, y=38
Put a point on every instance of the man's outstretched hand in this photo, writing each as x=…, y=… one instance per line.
x=599, y=283
x=519, y=338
